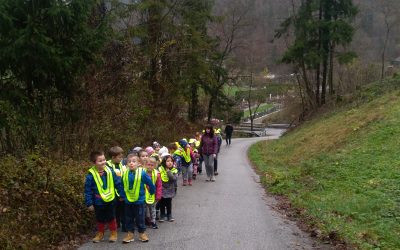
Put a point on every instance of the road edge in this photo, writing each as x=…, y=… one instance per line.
x=282, y=205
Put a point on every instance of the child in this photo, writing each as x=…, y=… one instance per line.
x=152, y=153
x=195, y=157
x=172, y=148
x=116, y=154
x=134, y=181
x=184, y=162
x=100, y=186
x=143, y=157
x=151, y=200
x=219, y=139
x=198, y=140
x=168, y=176
x=157, y=147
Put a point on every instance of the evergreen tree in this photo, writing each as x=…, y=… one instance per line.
x=319, y=26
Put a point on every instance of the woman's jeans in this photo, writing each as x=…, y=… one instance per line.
x=209, y=164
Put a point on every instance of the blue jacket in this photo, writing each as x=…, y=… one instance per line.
x=146, y=180
x=92, y=196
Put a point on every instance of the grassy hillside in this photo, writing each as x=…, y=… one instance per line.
x=342, y=170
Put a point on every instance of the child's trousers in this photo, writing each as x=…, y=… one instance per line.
x=135, y=215
x=165, y=204
x=105, y=214
x=151, y=212
x=120, y=215
x=187, y=172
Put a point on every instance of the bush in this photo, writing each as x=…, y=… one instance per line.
x=41, y=202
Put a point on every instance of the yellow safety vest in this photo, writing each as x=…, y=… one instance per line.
x=132, y=195
x=151, y=198
x=107, y=194
x=118, y=172
x=164, y=175
x=185, y=153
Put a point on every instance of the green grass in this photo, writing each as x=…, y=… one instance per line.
x=342, y=171
x=230, y=91
x=262, y=108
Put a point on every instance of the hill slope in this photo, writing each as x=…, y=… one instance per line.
x=342, y=171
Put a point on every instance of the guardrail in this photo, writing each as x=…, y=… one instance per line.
x=264, y=113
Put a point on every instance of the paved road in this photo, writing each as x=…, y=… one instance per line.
x=232, y=213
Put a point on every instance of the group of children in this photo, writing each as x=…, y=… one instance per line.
x=137, y=191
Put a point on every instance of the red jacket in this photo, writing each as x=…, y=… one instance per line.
x=158, y=185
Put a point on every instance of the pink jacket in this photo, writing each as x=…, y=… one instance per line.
x=158, y=186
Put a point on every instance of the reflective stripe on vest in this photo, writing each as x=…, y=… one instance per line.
x=151, y=198
x=118, y=171
x=185, y=153
x=132, y=194
x=108, y=193
x=163, y=173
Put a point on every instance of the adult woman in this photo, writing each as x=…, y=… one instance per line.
x=208, y=150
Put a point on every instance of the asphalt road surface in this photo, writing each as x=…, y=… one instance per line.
x=232, y=213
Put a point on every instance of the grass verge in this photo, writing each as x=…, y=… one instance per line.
x=342, y=171
x=263, y=107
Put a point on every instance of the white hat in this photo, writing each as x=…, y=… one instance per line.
x=163, y=150
x=165, y=154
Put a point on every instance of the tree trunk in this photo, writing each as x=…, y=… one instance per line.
x=210, y=107
x=330, y=80
x=318, y=76
x=154, y=14
x=251, y=124
x=309, y=92
x=194, y=103
x=384, y=52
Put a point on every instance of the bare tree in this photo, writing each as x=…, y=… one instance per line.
x=390, y=11
x=228, y=34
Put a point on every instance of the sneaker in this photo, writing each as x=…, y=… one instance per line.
x=130, y=237
x=184, y=183
x=162, y=218
x=171, y=219
x=215, y=173
x=113, y=236
x=143, y=237
x=99, y=236
x=213, y=179
x=154, y=226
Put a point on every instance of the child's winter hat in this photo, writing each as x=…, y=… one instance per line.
x=183, y=143
x=164, y=154
x=156, y=145
x=163, y=150
x=149, y=150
